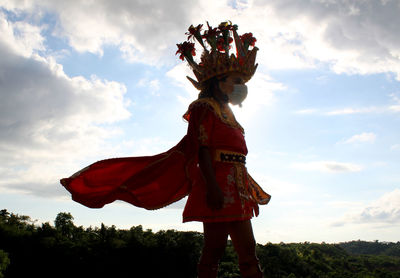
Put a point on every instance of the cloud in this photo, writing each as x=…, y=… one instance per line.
x=153, y=85
x=262, y=94
x=365, y=137
x=396, y=106
x=353, y=37
x=278, y=188
x=385, y=210
x=349, y=111
x=48, y=120
x=327, y=166
x=143, y=31
x=262, y=90
x=20, y=37
x=395, y=147
x=52, y=112
x=178, y=77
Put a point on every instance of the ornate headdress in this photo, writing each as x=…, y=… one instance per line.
x=217, y=61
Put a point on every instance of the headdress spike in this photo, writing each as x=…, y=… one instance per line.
x=239, y=45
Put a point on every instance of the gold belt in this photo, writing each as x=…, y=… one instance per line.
x=228, y=156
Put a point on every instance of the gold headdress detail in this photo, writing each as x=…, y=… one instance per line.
x=217, y=61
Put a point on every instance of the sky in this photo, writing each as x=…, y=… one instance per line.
x=82, y=81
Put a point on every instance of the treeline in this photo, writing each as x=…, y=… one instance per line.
x=372, y=248
x=65, y=250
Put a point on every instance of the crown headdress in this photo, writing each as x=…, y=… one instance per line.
x=216, y=61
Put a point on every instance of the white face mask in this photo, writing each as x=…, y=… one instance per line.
x=238, y=94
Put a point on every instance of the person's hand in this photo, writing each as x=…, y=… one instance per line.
x=215, y=198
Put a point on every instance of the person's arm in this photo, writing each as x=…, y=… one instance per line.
x=215, y=197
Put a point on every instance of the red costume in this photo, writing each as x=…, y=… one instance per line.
x=217, y=129
x=156, y=181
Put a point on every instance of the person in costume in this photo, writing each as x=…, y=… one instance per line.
x=208, y=164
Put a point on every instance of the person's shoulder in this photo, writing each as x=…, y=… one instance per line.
x=207, y=102
x=201, y=104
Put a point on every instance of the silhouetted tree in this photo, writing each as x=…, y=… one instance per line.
x=4, y=262
x=64, y=224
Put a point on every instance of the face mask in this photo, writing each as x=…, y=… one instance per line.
x=238, y=94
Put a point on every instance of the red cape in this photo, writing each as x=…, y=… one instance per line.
x=150, y=182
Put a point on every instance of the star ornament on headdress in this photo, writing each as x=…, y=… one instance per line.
x=216, y=59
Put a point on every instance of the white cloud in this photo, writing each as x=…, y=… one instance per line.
x=327, y=166
x=393, y=107
x=262, y=90
x=144, y=31
x=396, y=106
x=66, y=111
x=365, y=137
x=345, y=204
x=395, y=147
x=20, y=37
x=349, y=111
x=385, y=210
x=352, y=37
x=153, y=85
x=278, y=188
x=144, y=146
x=48, y=120
x=178, y=76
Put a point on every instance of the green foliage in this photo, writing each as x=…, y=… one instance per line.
x=65, y=250
x=323, y=260
x=64, y=224
x=372, y=248
x=228, y=266
x=4, y=262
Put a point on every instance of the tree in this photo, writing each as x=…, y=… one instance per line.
x=4, y=262
x=64, y=223
x=28, y=250
x=4, y=214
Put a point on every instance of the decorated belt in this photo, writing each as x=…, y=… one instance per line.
x=228, y=156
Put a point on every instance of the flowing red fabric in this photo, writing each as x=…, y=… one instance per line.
x=150, y=182
x=153, y=182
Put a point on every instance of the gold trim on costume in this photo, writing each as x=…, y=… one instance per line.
x=225, y=113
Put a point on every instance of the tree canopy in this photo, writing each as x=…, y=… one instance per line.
x=29, y=249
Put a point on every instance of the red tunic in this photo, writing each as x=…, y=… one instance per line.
x=153, y=182
x=216, y=128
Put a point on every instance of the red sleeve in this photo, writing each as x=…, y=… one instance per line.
x=201, y=123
